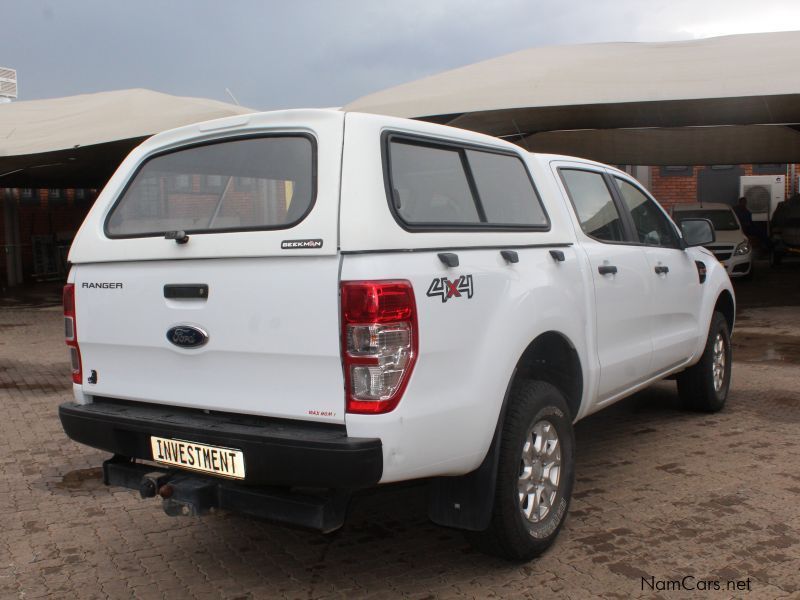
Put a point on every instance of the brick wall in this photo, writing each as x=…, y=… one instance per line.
x=57, y=218
x=673, y=189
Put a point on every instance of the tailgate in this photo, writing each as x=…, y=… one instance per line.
x=206, y=274
x=272, y=328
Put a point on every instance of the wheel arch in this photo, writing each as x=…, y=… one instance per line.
x=553, y=358
x=466, y=501
x=726, y=305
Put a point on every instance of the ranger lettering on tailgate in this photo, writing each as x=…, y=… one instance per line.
x=103, y=285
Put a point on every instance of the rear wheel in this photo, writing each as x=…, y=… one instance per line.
x=704, y=386
x=535, y=474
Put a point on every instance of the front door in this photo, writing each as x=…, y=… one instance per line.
x=673, y=279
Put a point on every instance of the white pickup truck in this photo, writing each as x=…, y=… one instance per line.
x=268, y=312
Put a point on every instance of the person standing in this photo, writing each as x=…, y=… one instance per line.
x=745, y=217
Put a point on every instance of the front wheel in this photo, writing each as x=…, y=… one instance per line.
x=704, y=386
x=535, y=474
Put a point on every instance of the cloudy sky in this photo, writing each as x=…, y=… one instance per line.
x=278, y=54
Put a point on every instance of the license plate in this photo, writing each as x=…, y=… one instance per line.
x=226, y=462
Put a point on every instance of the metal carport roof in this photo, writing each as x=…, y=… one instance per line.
x=78, y=141
x=625, y=103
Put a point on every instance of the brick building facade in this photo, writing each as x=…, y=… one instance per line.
x=712, y=183
x=46, y=220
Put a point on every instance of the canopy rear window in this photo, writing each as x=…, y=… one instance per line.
x=234, y=185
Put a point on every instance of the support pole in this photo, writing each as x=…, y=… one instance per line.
x=11, y=245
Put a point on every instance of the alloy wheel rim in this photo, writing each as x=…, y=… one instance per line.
x=539, y=472
x=719, y=362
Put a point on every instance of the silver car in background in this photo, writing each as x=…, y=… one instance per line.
x=732, y=248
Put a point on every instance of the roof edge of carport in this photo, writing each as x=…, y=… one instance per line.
x=574, y=75
x=88, y=166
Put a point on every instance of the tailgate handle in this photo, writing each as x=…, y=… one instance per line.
x=186, y=290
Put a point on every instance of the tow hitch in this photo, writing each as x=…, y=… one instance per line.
x=187, y=494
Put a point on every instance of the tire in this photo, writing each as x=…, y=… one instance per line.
x=537, y=412
x=704, y=386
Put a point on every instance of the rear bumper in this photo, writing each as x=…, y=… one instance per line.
x=276, y=452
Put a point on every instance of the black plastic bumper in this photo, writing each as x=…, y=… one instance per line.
x=276, y=452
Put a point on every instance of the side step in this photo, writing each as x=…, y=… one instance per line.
x=194, y=495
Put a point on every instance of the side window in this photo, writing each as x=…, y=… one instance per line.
x=430, y=185
x=442, y=185
x=594, y=205
x=505, y=190
x=652, y=227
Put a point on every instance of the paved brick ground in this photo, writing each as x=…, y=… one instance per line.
x=659, y=493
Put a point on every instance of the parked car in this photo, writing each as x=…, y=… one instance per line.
x=268, y=312
x=785, y=230
x=731, y=248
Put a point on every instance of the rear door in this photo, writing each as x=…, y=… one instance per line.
x=219, y=288
x=619, y=271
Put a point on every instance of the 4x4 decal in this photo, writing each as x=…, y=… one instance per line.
x=447, y=289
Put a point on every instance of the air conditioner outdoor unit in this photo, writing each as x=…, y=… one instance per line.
x=8, y=84
x=763, y=193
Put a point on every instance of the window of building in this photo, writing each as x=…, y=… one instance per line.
x=677, y=171
x=770, y=169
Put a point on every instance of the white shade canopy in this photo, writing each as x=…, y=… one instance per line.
x=748, y=79
x=80, y=140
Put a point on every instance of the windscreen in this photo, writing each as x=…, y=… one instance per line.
x=723, y=220
x=234, y=185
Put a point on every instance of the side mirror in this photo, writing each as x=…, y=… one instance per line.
x=697, y=232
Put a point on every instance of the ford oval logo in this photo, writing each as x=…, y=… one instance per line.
x=187, y=336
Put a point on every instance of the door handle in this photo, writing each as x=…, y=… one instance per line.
x=449, y=259
x=661, y=269
x=607, y=269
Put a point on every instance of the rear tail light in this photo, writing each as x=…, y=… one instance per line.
x=379, y=343
x=71, y=332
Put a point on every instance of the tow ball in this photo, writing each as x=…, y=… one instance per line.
x=181, y=495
